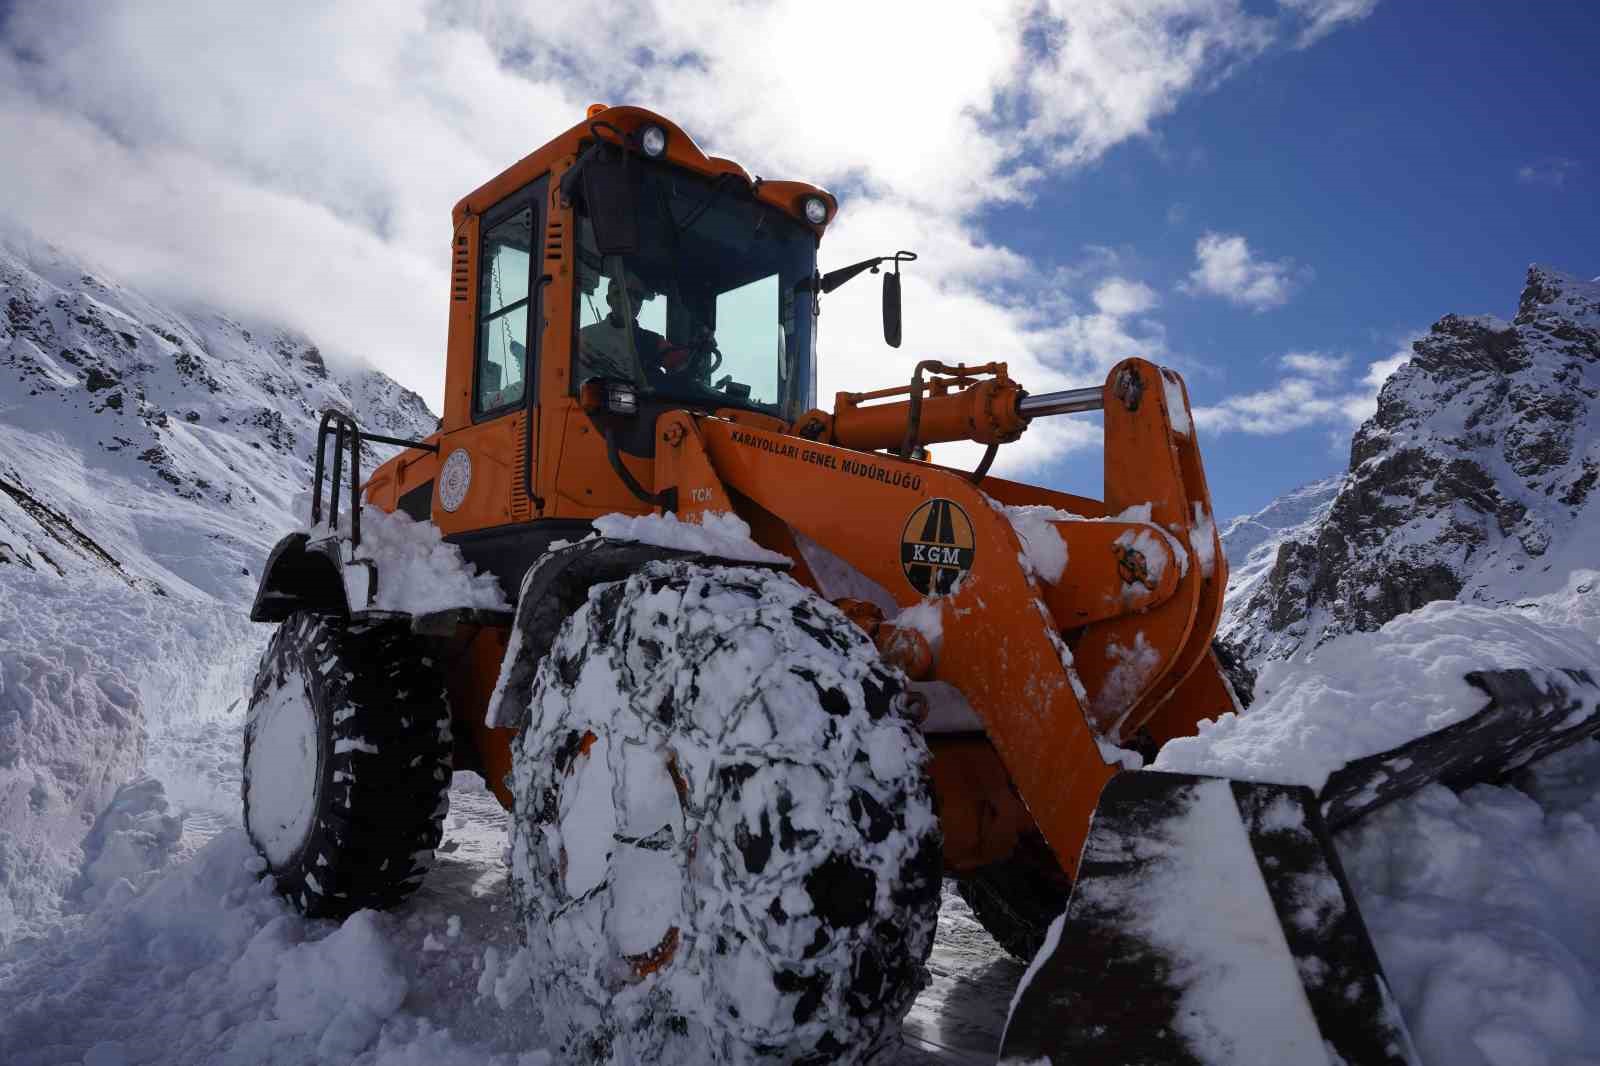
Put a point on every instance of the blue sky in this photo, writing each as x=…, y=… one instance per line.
x=1388, y=160
x=1270, y=195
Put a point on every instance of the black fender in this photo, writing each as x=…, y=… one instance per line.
x=301, y=575
x=555, y=586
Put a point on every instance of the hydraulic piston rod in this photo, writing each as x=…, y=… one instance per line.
x=1067, y=402
x=987, y=411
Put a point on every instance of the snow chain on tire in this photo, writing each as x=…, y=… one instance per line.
x=724, y=848
x=358, y=718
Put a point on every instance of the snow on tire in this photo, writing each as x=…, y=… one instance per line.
x=725, y=848
x=346, y=763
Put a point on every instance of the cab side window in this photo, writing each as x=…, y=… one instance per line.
x=504, y=277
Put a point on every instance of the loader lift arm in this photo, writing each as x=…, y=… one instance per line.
x=1048, y=707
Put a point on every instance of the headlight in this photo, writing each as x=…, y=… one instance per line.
x=621, y=399
x=617, y=397
x=653, y=139
x=816, y=210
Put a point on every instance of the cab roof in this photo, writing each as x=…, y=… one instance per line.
x=681, y=151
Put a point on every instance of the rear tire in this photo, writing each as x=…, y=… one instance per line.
x=346, y=763
x=724, y=848
x=1017, y=898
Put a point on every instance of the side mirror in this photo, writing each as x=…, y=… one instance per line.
x=891, y=309
x=610, y=191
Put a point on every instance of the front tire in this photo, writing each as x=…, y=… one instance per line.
x=725, y=847
x=346, y=763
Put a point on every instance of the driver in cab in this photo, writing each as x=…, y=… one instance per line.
x=603, y=348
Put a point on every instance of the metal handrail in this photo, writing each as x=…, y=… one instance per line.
x=345, y=431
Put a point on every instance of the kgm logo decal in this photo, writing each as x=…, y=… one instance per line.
x=937, y=547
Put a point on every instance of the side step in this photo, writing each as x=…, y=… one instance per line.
x=1211, y=923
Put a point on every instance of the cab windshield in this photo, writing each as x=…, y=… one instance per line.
x=713, y=310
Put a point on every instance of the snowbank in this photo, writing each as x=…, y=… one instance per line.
x=132, y=840
x=1368, y=692
x=1483, y=909
x=1576, y=604
x=210, y=966
x=89, y=672
x=720, y=534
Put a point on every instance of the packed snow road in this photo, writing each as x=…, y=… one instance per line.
x=160, y=943
x=209, y=966
x=1481, y=905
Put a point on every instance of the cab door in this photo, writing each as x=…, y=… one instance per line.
x=487, y=446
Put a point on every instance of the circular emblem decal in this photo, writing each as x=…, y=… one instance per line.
x=937, y=547
x=454, y=479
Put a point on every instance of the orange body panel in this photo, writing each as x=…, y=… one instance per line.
x=1203, y=694
x=493, y=448
x=980, y=812
x=470, y=680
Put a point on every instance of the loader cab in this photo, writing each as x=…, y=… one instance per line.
x=709, y=306
x=711, y=309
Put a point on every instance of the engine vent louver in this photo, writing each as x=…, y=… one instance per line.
x=459, y=288
x=521, y=508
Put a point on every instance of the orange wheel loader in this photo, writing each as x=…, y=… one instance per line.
x=764, y=675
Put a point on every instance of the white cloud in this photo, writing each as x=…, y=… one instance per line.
x=1379, y=370
x=1365, y=402
x=1229, y=269
x=1293, y=403
x=1110, y=68
x=1322, y=17
x=298, y=160
x=1314, y=391
x=1553, y=171
x=1119, y=296
x=1315, y=364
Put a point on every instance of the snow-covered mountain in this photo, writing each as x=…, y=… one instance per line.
x=149, y=458
x=1251, y=543
x=1474, y=480
x=162, y=447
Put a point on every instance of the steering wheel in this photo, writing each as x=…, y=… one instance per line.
x=700, y=358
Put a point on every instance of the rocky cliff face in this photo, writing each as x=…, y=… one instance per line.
x=159, y=447
x=1476, y=479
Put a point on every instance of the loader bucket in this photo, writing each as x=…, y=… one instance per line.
x=1529, y=715
x=1210, y=923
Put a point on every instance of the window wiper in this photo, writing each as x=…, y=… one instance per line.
x=718, y=186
